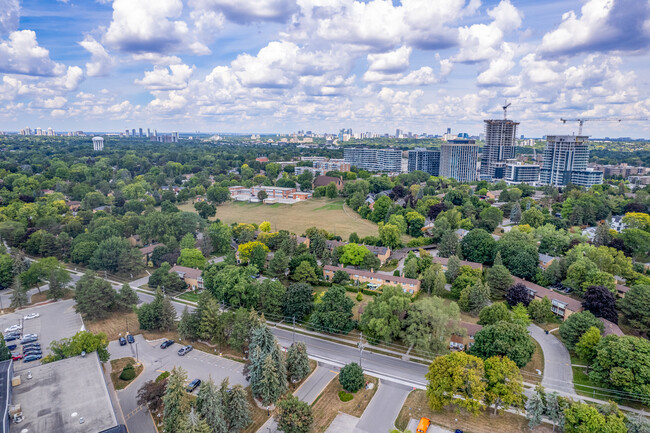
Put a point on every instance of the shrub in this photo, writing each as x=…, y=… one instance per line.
x=344, y=396
x=359, y=297
x=351, y=377
x=162, y=376
x=128, y=373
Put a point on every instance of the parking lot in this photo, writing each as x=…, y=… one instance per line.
x=56, y=321
x=197, y=364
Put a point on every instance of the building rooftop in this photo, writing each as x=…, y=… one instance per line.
x=185, y=272
x=325, y=180
x=149, y=248
x=572, y=304
x=61, y=393
x=611, y=328
x=368, y=274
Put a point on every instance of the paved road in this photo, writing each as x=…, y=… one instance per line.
x=197, y=364
x=557, y=362
x=381, y=413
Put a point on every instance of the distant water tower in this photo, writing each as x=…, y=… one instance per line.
x=98, y=144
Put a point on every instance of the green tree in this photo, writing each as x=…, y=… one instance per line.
x=473, y=298
x=456, y=378
x=584, y=418
x=297, y=362
x=494, y=313
x=520, y=315
x=218, y=194
x=577, y=324
x=159, y=314
x=478, y=246
x=429, y=324
x=294, y=416
x=95, y=297
x=238, y=413
x=331, y=191
x=515, y=213
x=126, y=298
x=635, y=307
x=220, y=235
x=453, y=268
x=334, y=313
x=298, y=301
x=271, y=383
x=5, y=353
x=353, y=254
x=82, y=341
x=505, y=387
x=586, y=346
x=504, y=339
x=211, y=406
x=532, y=217
x=278, y=264
x=188, y=242
x=6, y=271
x=448, y=245
x=602, y=235
x=176, y=401
x=519, y=254
x=540, y=310
x=271, y=294
x=192, y=258
x=498, y=277
x=390, y=235
x=340, y=277
x=305, y=272
x=467, y=277
x=534, y=410
x=382, y=318
x=491, y=217
x=19, y=297
x=351, y=377
x=620, y=364
x=193, y=423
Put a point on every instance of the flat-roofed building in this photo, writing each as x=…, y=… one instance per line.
x=458, y=160
x=517, y=173
x=565, y=161
x=389, y=160
x=426, y=160
x=561, y=305
x=500, y=142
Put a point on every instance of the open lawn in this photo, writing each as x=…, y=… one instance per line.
x=328, y=404
x=324, y=213
x=529, y=371
x=416, y=406
x=190, y=296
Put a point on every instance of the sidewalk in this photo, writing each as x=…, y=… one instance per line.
x=307, y=392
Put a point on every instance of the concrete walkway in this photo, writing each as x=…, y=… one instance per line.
x=307, y=392
x=381, y=413
x=557, y=362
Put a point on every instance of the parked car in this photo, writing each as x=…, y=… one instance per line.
x=17, y=357
x=423, y=425
x=130, y=339
x=13, y=328
x=193, y=385
x=30, y=336
x=33, y=352
x=28, y=340
x=31, y=348
x=165, y=344
x=12, y=346
x=31, y=345
x=31, y=316
x=122, y=341
x=184, y=350
x=12, y=337
x=32, y=358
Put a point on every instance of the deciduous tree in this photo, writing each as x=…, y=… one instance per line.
x=294, y=416
x=504, y=339
x=505, y=388
x=577, y=324
x=456, y=378
x=351, y=377
x=601, y=302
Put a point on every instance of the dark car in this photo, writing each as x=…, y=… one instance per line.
x=12, y=346
x=130, y=339
x=193, y=385
x=28, y=340
x=122, y=341
x=11, y=337
x=25, y=346
x=33, y=353
x=184, y=350
x=165, y=344
x=31, y=358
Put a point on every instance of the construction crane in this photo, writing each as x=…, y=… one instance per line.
x=604, y=119
x=505, y=109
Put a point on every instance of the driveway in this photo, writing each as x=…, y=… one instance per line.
x=557, y=362
x=197, y=364
x=381, y=413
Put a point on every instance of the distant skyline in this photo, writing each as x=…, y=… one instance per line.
x=321, y=65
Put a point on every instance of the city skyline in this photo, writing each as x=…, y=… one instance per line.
x=282, y=66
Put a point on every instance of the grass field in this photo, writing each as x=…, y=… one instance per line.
x=324, y=213
x=116, y=369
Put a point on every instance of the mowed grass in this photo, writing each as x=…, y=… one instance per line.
x=323, y=213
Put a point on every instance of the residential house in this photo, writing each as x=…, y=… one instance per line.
x=374, y=279
x=148, y=250
x=493, y=195
x=134, y=241
x=73, y=206
x=611, y=328
x=622, y=290
x=545, y=260
x=460, y=342
x=191, y=276
x=617, y=223
x=382, y=253
x=561, y=305
x=461, y=233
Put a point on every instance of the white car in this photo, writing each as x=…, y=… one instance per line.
x=31, y=316
x=13, y=328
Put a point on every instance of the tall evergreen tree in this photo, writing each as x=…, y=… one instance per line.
x=5, y=353
x=278, y=264
x=297, y=362
x=271, y=385
x=193, y=423
x=19, y=296
x=453, y=268
x=602, y=235
x=189, y=325
x=515, y=213
x=238, y=414
x=176, y=402
x=212, y=407
x=167, y=315
x=126, y=298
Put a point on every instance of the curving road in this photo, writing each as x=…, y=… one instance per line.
x=557, y=361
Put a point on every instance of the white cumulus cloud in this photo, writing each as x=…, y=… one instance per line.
x=161, y=78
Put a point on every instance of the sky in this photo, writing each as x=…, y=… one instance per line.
x=278, y=66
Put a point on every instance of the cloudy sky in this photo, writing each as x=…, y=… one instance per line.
x=322, y=65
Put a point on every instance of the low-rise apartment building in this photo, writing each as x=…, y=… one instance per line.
x=374, y=279
x=382, y=253
x=561, y=305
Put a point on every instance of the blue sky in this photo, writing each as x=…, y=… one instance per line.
x=321, y=65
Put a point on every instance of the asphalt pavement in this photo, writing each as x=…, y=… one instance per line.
x=197, y=364
x=557, y=361
x=383, y=409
